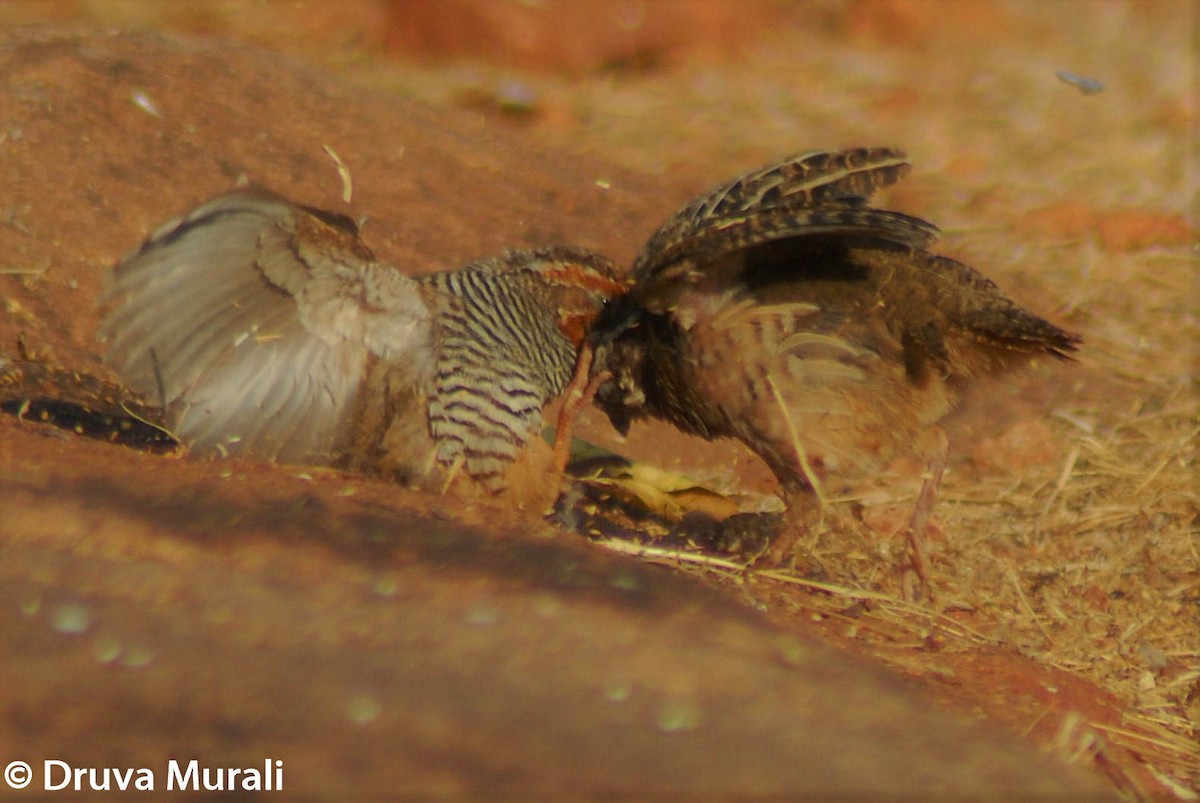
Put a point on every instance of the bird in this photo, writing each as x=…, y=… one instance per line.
x=267, y=329
x=781, y=309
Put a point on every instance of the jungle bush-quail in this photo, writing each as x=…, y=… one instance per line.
x=268, y=329
x=780, y=309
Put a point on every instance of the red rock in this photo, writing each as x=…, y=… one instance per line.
x=573, y=35
x=917, y=23
x=896, y=103
x=967, y=167
x=1131, y=229
x=1069, y=219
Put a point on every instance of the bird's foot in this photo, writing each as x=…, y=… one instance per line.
x=918, y=526
x=577, y=395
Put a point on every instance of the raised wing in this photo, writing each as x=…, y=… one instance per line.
x=699, y=259
x=841, y=179
x=250, y=319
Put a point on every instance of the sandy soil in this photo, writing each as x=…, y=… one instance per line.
x=372, y=634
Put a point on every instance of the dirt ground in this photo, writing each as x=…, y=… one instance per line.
x=376, y=639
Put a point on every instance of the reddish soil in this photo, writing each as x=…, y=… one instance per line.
x=378, y=640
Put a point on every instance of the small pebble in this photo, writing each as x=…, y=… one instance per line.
x=618, y=693
x=1086, y=85
x=106, y=649
x=137, y=656
x=624, y=581
x=387, y=586
x=678, y=715
x=363, y=709
x=143, y=102
x=72, y=618
x=482, y=615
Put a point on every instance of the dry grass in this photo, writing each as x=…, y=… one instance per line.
x=1088, y=561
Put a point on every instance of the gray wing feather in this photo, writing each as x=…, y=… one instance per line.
x=251, y=320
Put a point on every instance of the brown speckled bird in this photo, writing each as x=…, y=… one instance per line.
x=782, y=310
x=268, y=329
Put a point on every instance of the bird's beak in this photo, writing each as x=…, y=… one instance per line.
x=620, y=422
x=607, y=399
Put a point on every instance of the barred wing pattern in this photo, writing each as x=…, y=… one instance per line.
x=250, y=320
x=719, y=241
x=786, y=195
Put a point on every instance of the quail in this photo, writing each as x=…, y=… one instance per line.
x=781, y=309
x=268, y=329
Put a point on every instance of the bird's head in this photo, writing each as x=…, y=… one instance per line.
x=579, y=283
x=620, y=353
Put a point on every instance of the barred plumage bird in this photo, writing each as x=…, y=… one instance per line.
x=782, y=310
x=269, y=329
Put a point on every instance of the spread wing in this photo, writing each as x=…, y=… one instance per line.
x=815, y=193
x=819, y=195
x=796, y=220
x=250, y=319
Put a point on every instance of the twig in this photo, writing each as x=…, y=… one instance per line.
x=343, y=174
x=1063, y=477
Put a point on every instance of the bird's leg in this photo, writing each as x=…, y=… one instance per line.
x=805, y=514
x=578, y=394
x=923, y=511
x=452, y=472
x=806, y=505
